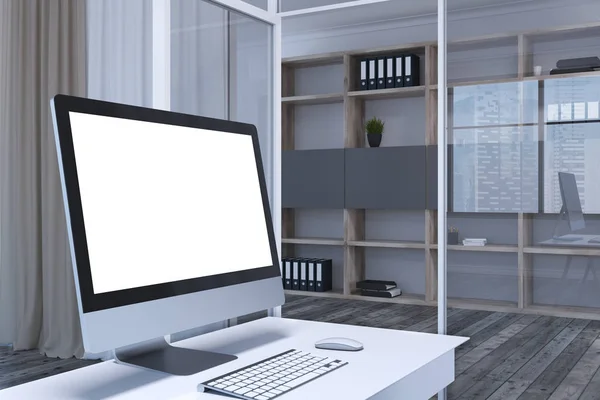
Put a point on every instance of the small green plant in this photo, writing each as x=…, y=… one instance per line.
x=375, y=126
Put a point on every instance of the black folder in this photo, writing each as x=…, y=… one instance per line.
x=310, y=278
x=323, y=275
x=287, y=273
x=303, y=274
x=390, y=72
x=296, y=274
x=372, y=74
x=381, y=73
x=364, y=74
x=411, y=70
x=399, y=71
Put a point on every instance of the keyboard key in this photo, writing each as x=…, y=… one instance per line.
x=301, y=380
x=253, y=386
x=221, y=385
x=276, y=391
x=232, y=388
x=251, y=394
x=262, y=398
x=242, y=391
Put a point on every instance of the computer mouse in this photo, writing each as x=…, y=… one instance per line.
x=339, y=343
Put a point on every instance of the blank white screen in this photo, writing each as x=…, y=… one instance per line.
x=164, y=203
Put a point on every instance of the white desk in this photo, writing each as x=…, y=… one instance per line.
x=393, y=365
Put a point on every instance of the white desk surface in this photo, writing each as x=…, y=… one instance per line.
x=583, y=242
x=389, y=356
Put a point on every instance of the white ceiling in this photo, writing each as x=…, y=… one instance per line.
x=385, y=11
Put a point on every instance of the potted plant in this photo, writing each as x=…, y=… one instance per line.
x=374, y=128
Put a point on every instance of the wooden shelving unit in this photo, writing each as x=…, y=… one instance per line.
x=354, y=243
x=490, y=248
x=313, y=241
x=314, y=99
x=395, y=93
x=392, y=244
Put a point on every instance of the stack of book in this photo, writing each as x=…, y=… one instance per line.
x=375, y=288
x=474, y=242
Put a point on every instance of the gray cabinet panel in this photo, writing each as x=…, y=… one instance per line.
x=313, y=178
x=386, y=178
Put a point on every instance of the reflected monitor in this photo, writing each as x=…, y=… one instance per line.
x=571, y=206
x=169, y=225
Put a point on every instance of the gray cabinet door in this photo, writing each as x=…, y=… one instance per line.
x=386, y=178
x=313, y=179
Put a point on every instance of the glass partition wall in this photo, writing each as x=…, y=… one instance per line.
x=523, y=135
x=219, y=63
x=522, y=218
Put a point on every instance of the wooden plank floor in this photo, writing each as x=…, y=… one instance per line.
x=509, y=356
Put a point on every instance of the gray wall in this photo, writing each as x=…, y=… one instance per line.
x=395, y=225
x=319, y=80
x=555, y=283
x=482, y=276
x=489, y=60
x=404, y=120
x=320, y=223
x=548, y=50
x=405, y=267
x=496, y=228
x=319, y=126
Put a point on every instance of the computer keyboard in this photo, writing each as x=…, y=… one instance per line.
x=273, y=376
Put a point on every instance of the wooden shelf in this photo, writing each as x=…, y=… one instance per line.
x=563, y=250
x=561, y=76
x=395, y=93
x=516, y=80
x=479, y=304
x=484, y=82
x=386, y=244
x=334, y=294
x=314, y=241
x=314, y=99
x=313, y=60
x=490, y=248
x=337, y=294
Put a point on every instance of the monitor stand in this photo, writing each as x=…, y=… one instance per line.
x=566, y=237
x=158, y=355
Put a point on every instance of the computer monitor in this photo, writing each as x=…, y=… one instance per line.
x=571, y=204
x=169, y=225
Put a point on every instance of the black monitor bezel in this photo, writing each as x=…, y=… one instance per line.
x=90, y=301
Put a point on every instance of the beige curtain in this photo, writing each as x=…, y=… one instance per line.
x=42, y=45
